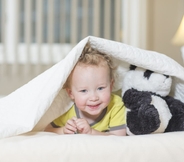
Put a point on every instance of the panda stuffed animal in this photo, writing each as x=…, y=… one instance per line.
x=148, y=106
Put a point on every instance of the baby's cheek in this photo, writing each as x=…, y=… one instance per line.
x=107, y=98
x=80, y=102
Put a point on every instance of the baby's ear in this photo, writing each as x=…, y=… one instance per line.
x=112, y=84
x=69, y=91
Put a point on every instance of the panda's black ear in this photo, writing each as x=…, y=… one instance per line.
x=132, y=67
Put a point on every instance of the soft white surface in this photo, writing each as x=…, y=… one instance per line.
x=49, y=147
x=38, y=102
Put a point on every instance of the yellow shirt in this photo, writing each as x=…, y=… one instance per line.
x=112, y=118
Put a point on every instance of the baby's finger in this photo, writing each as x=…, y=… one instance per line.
x=71, y=122
x=67, y=131
x=74, y=118
x=70, y=128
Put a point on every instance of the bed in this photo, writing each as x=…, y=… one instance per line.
x=28, y=110
x=49, y=147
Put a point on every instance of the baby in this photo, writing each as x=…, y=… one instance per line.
x=96, y=111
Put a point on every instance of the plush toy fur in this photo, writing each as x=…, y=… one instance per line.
x=149, y=108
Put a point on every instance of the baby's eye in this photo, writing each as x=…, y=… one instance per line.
x=101, y=88
x=83, y=91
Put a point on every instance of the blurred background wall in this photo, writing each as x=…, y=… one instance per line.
x=152, y=24
x=36, y=34
x=163, y=21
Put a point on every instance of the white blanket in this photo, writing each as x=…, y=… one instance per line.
x=37, y=103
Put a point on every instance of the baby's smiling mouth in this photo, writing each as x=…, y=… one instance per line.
x=93, y=106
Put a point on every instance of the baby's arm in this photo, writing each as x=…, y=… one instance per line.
x=69, y=128
x=84, y=128
x=50, y=128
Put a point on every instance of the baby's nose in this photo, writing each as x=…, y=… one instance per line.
x=94, y=97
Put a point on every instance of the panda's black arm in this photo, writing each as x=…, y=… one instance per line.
x=143, y=121
x=176, y=106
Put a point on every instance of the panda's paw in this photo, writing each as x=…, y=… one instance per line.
x=143, y=121
x=133, y=99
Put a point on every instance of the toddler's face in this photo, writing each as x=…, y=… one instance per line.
x=91, y=88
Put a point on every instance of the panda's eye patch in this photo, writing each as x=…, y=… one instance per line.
x=147, y=73
x=167, y=76
x=132, y=67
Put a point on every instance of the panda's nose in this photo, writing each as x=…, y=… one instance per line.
x=167, y=76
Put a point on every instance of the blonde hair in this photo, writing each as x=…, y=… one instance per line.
x=93, y=57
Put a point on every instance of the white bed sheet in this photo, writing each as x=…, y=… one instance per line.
x=50, y=147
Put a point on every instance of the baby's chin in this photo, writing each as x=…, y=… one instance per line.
x=92, y=110
x=95, y=110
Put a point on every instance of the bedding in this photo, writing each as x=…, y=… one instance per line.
x=49, y=147
x=27, y=111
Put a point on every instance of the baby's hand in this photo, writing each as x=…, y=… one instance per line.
x=70, y=127
x=82, y=126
